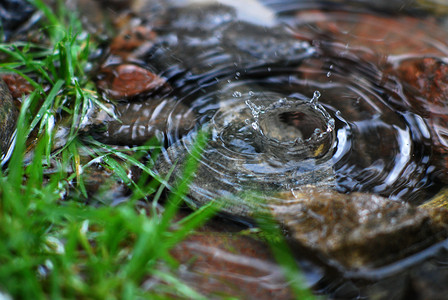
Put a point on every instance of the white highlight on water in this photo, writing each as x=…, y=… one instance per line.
x=252, y=11
x=316, y=97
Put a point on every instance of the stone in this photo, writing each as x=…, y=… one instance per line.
x=17, y=85
x=128, y=80
x=218, y=260
x=357, y=230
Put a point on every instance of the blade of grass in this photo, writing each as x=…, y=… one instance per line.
x=182, y=188
x=48, y=102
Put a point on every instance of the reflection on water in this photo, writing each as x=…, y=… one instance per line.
x=340, y=96
x=384, y=139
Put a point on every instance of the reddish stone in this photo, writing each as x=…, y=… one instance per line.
x=18, y=85
x=128, y=80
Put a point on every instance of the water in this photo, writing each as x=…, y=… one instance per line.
x=382, y=144
x=349, y=98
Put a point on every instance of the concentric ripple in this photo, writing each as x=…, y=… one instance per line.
x=295, y=105
x=261, y=143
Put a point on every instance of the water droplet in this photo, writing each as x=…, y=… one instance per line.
x=255, y=110
x=315, y=98
x=255, y=126
x=237, y=94
x=328, y=74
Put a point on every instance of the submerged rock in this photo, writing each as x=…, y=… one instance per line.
x=429, y=99
x=219, y=260
x=18, y=86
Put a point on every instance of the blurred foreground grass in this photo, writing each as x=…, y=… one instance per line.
x=53, y=244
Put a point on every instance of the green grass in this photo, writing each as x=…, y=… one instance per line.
x=53, y=244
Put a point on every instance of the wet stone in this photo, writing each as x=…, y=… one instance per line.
x=128, y=80
x=253, y=45
x=423, y=280
x=103, y=186
x=358, y=230
x=8, y=118
x=199, y=18
x=18, y=85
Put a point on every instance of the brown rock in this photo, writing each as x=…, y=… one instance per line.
x=18, y=85
x=128, y=80
x=218, y=264
x=358, y=230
